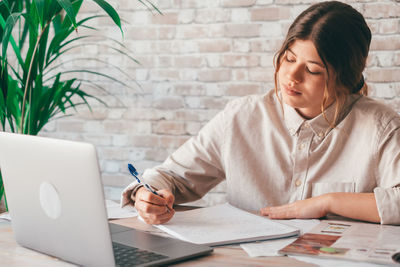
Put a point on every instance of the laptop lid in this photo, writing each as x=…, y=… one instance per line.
x=56, y=203
x=55, y=198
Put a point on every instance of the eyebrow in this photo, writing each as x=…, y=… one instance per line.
x=311, y=61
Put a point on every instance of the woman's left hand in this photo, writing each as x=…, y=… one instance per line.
x=315, y=207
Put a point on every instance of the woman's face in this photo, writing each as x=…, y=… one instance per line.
x=302, y=79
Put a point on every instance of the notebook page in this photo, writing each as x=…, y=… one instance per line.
x=224, y=224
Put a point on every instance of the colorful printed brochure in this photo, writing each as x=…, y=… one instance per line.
x=348, y=240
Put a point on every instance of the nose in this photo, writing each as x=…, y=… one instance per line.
x=294, y=74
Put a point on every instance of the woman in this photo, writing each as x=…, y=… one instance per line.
x=314, y=145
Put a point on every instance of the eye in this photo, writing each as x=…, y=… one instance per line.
x=313, y=72
x=290, y=58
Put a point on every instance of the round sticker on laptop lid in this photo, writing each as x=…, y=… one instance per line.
x=50, y=200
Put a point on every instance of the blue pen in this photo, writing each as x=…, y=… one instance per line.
x=135, y=174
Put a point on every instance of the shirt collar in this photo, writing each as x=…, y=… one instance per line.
x=319, y=125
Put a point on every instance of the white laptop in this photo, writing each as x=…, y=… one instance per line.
x=56, y=203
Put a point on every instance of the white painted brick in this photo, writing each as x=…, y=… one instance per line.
x=119, y=140
x=240, y=14
x=189, y=88
x=157, y=154
x=93, y=127
x=238, y=3
x=115, y=113
x=188, y=75
x=240, y=74
x=141, y=17
x=136, y=154
x=111, y=166
x=214, y=89
x=383, y=90
x=186, y=16
x=198, y=4
x=212, y=15
x=193, y=127
x=241, y=45
x=271, y=29
x=264, y=2
x=213, y=61
x=217, y=30
x=51, y=126
x=267, y=59
x=385, y=59
x=295, y=10
x=98, y=139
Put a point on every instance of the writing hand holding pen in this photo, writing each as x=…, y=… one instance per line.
x=155, y=207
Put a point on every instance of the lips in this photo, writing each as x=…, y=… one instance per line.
x=291, y=91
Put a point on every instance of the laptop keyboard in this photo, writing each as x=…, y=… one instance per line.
x=131, y=256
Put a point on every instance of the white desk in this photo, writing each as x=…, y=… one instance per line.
x=11, y=254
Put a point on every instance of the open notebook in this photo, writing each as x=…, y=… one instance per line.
x=224, y=224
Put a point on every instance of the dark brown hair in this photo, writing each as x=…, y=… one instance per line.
x=342, y=39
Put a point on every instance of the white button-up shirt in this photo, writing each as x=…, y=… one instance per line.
x=269, y=155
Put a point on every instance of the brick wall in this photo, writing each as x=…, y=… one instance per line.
x=195, y=58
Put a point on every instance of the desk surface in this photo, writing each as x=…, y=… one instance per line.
x=11, y=254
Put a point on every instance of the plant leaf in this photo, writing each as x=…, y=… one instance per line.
x=61, y=35
x=38, y=6
x=14, y=45
x=76, y=5
x=96, y=73
x=1, y=187
x=13, y=99
x=42, y=50
x=67, y=6
x=10, y=22
x=151, y=4
x=111, y=12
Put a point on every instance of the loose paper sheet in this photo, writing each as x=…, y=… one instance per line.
x=224, y=224
x=114, y=211
x=271, y=247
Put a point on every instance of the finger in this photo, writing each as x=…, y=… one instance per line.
x=149, y=208
x=279, y=212
x=281, y=215
x=168, y=196
x=265, y=211
x=157, y=219
x=165, y=217
x=284, y=212
x=152, y=198
x=268, y=210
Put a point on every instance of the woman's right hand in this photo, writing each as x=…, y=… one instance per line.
x=152, y=208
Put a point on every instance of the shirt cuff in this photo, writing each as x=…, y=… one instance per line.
x=128, y=194
x=388, y=203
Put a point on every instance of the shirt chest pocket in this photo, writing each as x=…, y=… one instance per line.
x=318, y=189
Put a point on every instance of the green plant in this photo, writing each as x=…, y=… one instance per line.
x=34, y=35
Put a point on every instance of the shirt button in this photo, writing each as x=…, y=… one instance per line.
x=302, y=146
x=306, y=125
x=291, y=131
x=320, y=134
x=298, y=182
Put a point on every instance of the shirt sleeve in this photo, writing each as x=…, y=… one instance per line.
x=387, y=192
x=193, y=169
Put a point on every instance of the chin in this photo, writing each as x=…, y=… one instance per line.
x=294, y=103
